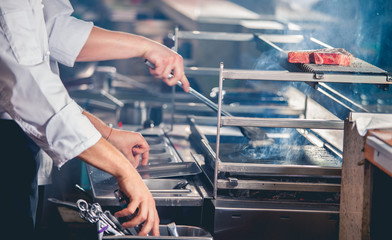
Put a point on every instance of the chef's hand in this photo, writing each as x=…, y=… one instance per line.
x=106, y=157
x=167, y=63
x=131, y=144
x=140, y=198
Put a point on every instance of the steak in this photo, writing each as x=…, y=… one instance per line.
x=334, y=56
x=299, y=57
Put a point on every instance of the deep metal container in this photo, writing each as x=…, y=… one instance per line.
x=184, y=232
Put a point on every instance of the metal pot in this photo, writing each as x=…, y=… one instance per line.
x=140, y=112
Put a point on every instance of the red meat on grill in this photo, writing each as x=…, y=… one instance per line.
x=334, y=56
x=299, y=57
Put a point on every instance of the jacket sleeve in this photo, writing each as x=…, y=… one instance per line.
x=67, y=34
x=30, y=92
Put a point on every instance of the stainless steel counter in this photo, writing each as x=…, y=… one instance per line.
x=163, y=190
x=103, y=187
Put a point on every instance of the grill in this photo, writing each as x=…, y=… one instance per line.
x=303, y=167
x=281, y=44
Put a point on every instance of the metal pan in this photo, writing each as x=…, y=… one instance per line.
x=177, y=169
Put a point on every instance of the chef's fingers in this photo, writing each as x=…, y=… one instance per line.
x=129, y=210
x=145, y=156
x=159, y=67
x=142, y=149
x=133, y=159
x=141, y=217
x=151, y=223
x=167, y=74
x=142, y=144
x=145, y=216
x=179, y=75
x=170, y=70
x=185, y=83
x=152, y=219
x=141, y=154
x=155, y=228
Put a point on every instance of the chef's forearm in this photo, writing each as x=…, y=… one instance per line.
x=98, y=124
x=104, y=44
x=106, y=157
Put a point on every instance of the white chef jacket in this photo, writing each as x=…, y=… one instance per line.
x=34, y=36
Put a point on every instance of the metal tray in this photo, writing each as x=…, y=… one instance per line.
x=178, y=169
x=103, y=186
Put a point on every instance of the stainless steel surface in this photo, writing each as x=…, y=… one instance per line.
x=112, y=98
x=287, y=76
x=201, y=35
x=279, y=220
x=161, y=149
x=270, y=169
x=202, y=109
x=354, y=116
x=172, y=229
x=68, y=204
x=279, y=186
x=103, y=186
x=219, y=117
x=204, y=71
x=164, y=160
x=282, y=123
x=356, y=66
x=242, y=37
x=192, y=14
x=178, y=169
x=184, y=233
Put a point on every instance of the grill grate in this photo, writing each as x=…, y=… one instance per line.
x=357, y=66
x=279, y=155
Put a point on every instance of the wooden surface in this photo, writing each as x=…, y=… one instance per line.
x=386, y=137
x=356, y=187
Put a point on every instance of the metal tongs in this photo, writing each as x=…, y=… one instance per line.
x=256, y=136
x=106, y=222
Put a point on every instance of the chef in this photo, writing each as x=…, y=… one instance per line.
x=37, y=113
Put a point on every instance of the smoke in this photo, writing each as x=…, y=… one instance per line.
x=362, y=27
x=355, y=25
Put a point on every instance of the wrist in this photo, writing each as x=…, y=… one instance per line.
x=125, y=172
x=109, y=132
x=148, y=47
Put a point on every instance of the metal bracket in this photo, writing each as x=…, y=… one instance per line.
x=233, y=181
x=318, y=75
x=389, y=77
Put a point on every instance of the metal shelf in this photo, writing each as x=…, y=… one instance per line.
x=306, y=77
x=282, y=123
